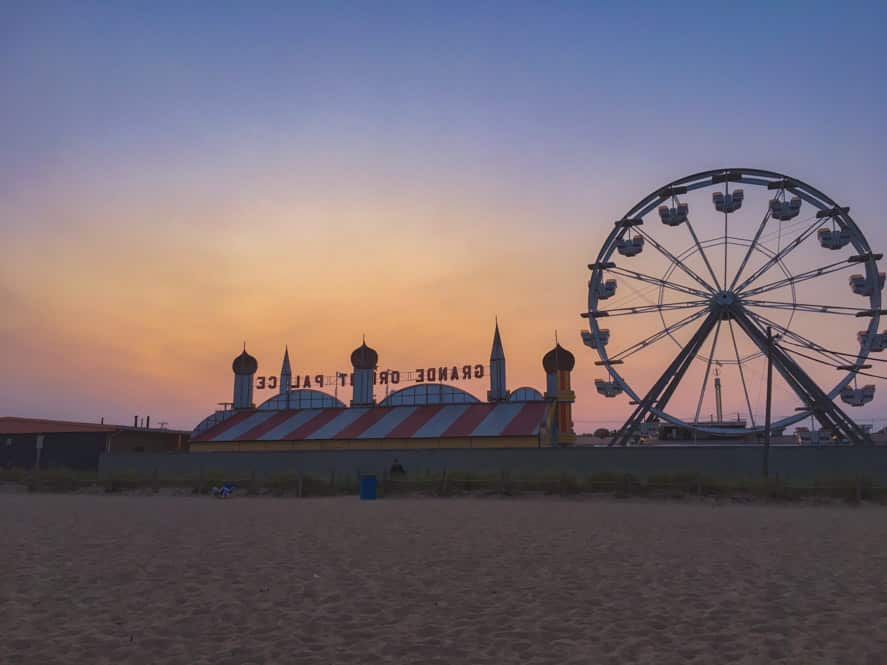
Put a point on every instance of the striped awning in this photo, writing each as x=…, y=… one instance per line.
x=402, y=422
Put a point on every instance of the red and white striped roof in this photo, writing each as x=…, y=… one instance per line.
x=401, y=422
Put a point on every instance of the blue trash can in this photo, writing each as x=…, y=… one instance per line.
x=367, y=488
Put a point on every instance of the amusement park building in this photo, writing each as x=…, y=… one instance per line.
x=423, y=415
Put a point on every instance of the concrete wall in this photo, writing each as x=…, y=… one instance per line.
x=795, y=463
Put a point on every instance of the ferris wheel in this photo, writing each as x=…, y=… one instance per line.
x=670, y=308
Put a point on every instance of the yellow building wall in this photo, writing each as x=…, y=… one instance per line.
x=368, y=444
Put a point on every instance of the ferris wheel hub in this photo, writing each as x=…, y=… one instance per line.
x=723, y=299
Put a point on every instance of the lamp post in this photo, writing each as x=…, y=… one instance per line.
x=769, y=402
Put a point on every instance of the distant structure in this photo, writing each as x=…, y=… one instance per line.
x=427, y=413
x=244, y=367
x=497, y=392
x=364, y=361
x=558, y=364
x=286, y=373
x=37, y=443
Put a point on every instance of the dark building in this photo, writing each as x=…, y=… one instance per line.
x=29, y=442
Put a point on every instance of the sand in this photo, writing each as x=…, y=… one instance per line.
x=154, y=579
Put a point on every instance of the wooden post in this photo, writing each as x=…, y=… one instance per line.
x=769, y=402
x=38, y=449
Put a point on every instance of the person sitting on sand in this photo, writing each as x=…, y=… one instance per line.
x=397, y=468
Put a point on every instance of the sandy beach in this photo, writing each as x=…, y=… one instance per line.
x=130, y=579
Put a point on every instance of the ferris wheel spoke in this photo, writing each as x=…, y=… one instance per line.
x=800, y=277
x=780, y=255
x=655, y=337
x=649, y=279
x=646, y=309
x=751, y=416
x=703, y=254
x=676, y=261
x=756, y=332
x=805, y=307
x=751, y=249
x=711, y=356
x=763, y=321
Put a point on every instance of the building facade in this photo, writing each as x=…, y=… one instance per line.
x=423, y=415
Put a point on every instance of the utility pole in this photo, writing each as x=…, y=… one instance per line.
x=769, y=402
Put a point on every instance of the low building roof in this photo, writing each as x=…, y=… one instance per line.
x=15, y=425
x=396, y=422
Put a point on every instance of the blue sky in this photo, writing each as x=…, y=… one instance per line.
x=443, y=131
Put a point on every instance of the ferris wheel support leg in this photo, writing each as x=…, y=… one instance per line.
x=670, y=377
x=829, y=414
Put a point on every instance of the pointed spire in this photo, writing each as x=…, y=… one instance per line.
x=497, y=352
x=285, y=368
x=497, y=391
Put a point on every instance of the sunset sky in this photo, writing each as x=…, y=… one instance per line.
x=176, y=181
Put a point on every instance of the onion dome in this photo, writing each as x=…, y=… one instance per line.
x=364, y=357
x=245, y=363
x=558, y=360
